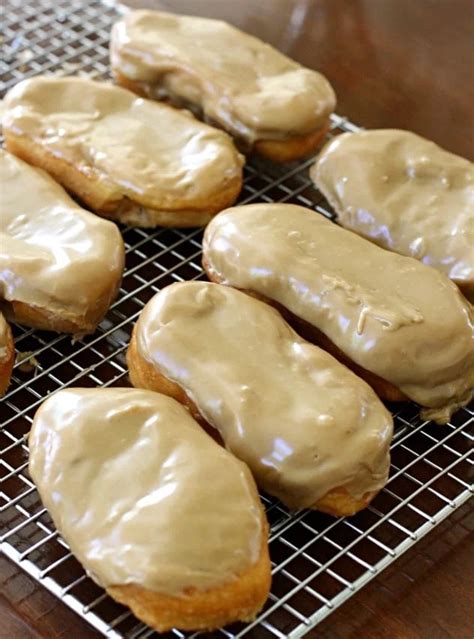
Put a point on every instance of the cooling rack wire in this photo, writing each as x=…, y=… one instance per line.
x=318, y=562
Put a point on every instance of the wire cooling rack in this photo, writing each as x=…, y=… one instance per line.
x=318, y=562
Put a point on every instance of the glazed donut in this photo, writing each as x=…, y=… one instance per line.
x=313, y=434
x=60, y=266
x=406, y=194
x=132, y=160
x=166, y=520
x=268, y=102
x=401, y=325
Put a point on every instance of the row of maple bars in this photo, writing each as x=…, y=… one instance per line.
x=162, y=516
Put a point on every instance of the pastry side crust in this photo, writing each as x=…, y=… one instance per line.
x=239, y=600
x=293, y=148
x=337, y=502
x=280, y=151
x=6, y=363
x=385, y=390
x=105, y=200
x=46, y=320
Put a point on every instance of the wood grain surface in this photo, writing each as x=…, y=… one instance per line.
x=393, y=63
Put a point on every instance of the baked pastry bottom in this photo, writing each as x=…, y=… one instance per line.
x=239, y=600
x=6, y=363
x=337, y=502
x=293, y=148
x=46, y=320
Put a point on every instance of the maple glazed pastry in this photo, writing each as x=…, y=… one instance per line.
x=268, y=102
x=162, y=517
x=313, y=433
x=406, y=194
x=60, y=266
x=135, y=161
x=401, y=325
x=7, y=354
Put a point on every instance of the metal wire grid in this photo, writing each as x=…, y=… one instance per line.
x=318, y=562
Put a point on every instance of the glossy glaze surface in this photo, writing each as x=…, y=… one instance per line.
x=390, y=314
x=141, y=494
x=155, y=155
x=406, y=194
x=246, y=86
x=302, y=422
x=53, y=253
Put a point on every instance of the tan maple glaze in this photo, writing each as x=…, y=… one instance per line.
x=156, y=155
x=406, y=194
x=141, y=493
x=244, y=85
x=54, y=254
x=302, y=422
x=395, y=317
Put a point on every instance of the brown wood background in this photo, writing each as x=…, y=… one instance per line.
x=393, y=63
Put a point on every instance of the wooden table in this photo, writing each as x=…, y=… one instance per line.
x=393, y=63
